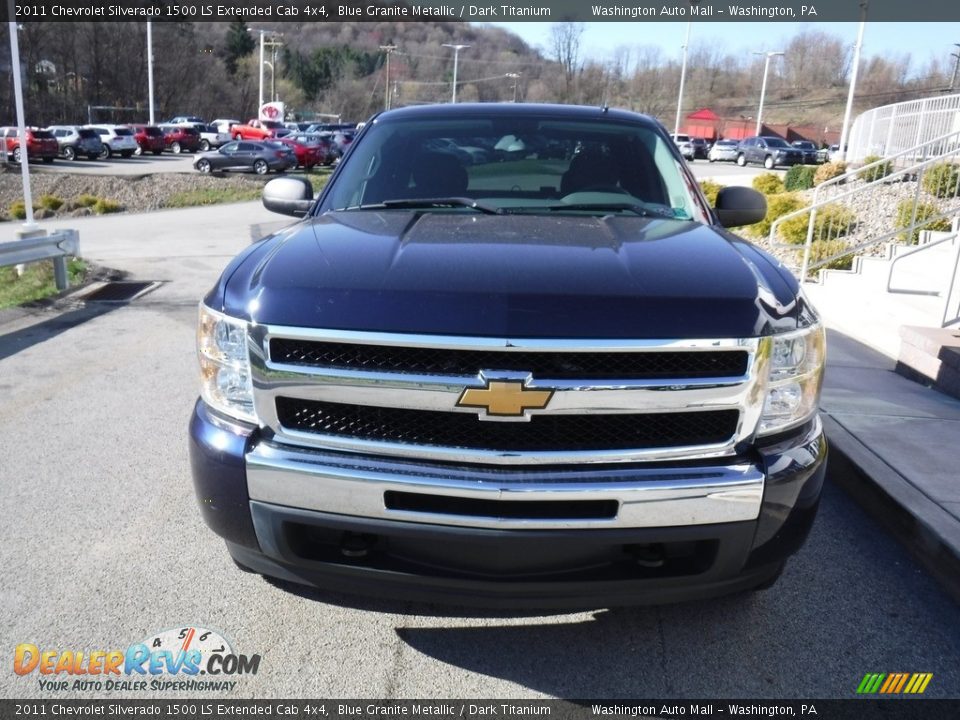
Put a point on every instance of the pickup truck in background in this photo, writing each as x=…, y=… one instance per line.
x=548, y=378
x=258, y=130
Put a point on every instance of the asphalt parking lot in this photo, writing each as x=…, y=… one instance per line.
x=103, y=544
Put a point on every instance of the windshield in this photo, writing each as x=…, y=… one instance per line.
x=516, y=164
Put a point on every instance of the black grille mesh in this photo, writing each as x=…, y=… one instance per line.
x=542, y=433
x=555, y=365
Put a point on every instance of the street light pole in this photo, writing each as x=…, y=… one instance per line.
x=262, y=33
x=456, y=57
x=844, y=131
x=272, y=86
x=956, y=66
x=150, y=68
x=388, y=49
x=763, y=87
x=683, y=77
x=516, y=79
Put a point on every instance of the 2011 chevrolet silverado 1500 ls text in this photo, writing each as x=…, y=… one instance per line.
x=510, y=356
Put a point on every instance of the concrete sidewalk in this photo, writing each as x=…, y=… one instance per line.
x=894, y=447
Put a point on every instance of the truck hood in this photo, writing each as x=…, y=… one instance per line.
x=512, y=276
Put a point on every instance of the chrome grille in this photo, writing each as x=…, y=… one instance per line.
x=612, y=400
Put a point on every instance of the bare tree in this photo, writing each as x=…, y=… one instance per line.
x=565, y=47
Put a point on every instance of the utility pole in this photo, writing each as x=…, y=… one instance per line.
x=683, y=72
x=150, y=68
x=456, y=57
x=388, y=49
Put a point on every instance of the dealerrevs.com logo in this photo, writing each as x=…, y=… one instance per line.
x=184, y=658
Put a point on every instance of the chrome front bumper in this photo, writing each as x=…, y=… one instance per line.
x=645, y=497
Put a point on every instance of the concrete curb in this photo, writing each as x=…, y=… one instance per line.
x=930, y=533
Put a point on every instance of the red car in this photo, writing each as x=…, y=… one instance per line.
x=308, y=152
x=180, y=138
x=149, y=139
x=258, y=130
x=40, y=144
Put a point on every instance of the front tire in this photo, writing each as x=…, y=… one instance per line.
x=260, y=167
x=175, y=148
x=768, y=162
x=16, y=154
x=238, y=136
x=69, y=153
x=204, y=166
x=205, y=145
x=105, y=153
x=741, y=160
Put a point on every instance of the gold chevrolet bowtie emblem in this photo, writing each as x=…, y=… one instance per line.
x=505, y=398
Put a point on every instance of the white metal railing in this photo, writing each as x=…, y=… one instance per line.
x=56, y=246
x=886, y=130
x=948, y=300
x=839, y=207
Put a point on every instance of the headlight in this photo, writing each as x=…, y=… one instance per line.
x=224, y=364
x=793, y=386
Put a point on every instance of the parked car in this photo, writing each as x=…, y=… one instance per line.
x=117, y=140
x=833, y=154
x=309, y=149
x=186, y=120
x=180, y=138
x=724, y=150
x=326, y=150
x=41, y=144
x=445, y=384
x=224, y=124
x=258, y=130
x=247, y=155
x=211, y=137
x=768, y=151
x=149, y=139
x=75, y=141
x=700, y=148
x=811, y=155
x=684, y=145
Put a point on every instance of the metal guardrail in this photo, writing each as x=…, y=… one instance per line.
x=886, y=130
x=57, y=246
x=834, y=213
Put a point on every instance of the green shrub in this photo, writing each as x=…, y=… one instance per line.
x=828, y=171
x=823, y=249
x=924, y=211
x=104, y=207
x=768, y=184
x=710, y=190
x=777, y=206
x=18, y=210
x=835, y=220
x=85, y=201
x=799, y=177
x=50, y=202
x=875, y=173
x=942, y=180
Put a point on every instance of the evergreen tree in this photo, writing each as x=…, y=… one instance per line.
x=239, y=43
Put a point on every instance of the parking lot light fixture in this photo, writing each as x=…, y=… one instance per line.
x=845, y=128
x=683, y=73
x=763, y=87
x=456, y=56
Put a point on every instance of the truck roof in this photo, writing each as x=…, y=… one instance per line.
x=493, y=110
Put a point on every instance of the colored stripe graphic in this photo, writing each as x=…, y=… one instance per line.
x=894, y=683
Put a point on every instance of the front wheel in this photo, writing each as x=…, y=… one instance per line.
x=204, y=145
x=105, y=153
x=175, y=148
x=16, y=154
x=238, y=136
x=69, y=153
x=260, y=167
x=139, y=151
x=741, y=160
x=203, y=166
x=768, y=162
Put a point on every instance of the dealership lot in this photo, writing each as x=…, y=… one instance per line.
x=103, y=545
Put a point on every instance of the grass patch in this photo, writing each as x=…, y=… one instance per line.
x=319, y=179
x=105, y=207
x=212, y=196
x=36, y=282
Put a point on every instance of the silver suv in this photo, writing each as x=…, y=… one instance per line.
x=117, y=140
x=76, y=141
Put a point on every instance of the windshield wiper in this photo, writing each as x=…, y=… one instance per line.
x=641, y=210
x=424, y=203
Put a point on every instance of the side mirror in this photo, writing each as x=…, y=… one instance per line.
x=288, y=196
x=738, y=206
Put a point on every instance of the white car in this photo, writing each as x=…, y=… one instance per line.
x=724, y=150
x=224, y=124
x=117, y=140
x=684, y=145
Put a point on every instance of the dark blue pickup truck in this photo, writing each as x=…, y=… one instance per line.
x=510, y=356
